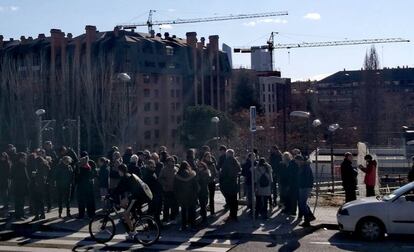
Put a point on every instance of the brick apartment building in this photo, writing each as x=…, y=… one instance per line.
x=78, y=76
x=377, y=102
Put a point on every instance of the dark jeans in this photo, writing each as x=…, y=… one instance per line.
x=350, y=194
x=232, y=203
x=370, y=191
x=188, y=214
x=86, y=199
x=63, y=193
x=274, y=191
x=4, y=193
x=19, y=202
x=39, y=200
x=304, y=208
x=48, y=195
x=261, y=205
x=202, y=200
x=211, y=193
x=170, y=209
x=292, y=201
x=155, y=207
x=284, y=195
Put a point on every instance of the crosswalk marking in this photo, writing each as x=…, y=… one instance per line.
x=181, y=239
x=64, y=241
x=31, y=249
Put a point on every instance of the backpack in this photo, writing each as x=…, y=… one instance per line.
x=264, y=180
x=144, y=187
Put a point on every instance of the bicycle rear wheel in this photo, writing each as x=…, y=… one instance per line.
x=102, y=228
x=148, y=231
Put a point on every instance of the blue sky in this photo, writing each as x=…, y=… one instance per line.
x=326, y=20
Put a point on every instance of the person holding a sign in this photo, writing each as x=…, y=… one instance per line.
x=370, y=174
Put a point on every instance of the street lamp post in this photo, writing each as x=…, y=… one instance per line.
x=316, y=123
x=216, y=121
x=39, y=113
x=332, y=128
x=306, y=115
x=124, y=77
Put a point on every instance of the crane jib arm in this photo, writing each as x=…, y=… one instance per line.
x=340, y=43
x=209, y=19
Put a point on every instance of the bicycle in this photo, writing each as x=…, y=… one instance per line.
x=102, y=226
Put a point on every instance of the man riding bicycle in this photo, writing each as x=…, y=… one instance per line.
x=137, y=193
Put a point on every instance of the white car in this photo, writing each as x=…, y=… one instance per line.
x=371, y=218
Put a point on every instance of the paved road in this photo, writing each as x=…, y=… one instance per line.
x=326, y=240
x=64, y=241
x=321, y=240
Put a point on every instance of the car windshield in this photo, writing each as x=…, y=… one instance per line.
x=398, y=192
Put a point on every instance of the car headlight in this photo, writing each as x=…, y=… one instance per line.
x=343, y=211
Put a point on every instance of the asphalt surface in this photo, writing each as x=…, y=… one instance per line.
x=327, y=240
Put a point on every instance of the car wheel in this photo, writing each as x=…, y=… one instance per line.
x=370, y=229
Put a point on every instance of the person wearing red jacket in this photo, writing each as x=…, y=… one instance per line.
x=370, y=174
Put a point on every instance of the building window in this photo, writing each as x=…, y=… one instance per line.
x=146, y=92
x=172, y=93
x=156, y=93
x=173, y=119
x=146, y=78
x=147, y=135
x=156, y=106
x=177, y=93
x=173, y=133
x=169, y=50
x=178, y=106
x=268, y=88
x=177, y=80
x=156, y=134
x=147, y=106
x=155, y=78
x=156, y=120
x=147, y=121
x=178, y=119
x=172, y=106
x=149, y=64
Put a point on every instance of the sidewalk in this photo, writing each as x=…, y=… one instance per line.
x=277, y=225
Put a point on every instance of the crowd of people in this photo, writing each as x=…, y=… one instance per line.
x=187, y=187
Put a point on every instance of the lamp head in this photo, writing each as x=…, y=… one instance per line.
x=215, y=119
x=303, y=114
x=124, y=77
x=40, y=112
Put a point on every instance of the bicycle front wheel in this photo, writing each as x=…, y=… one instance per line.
x=102, y=228
x=148, y=231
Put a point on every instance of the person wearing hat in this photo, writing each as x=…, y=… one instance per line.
x=370, y=174
x=349, y=178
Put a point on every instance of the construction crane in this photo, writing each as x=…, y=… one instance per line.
x=150, y=23
x=271, y=46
